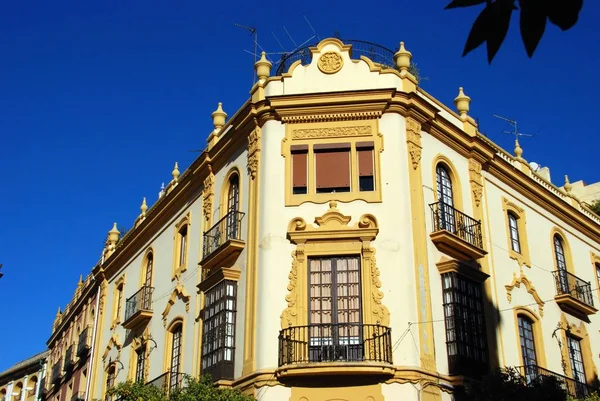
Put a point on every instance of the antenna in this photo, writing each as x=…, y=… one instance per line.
x=513, y=124
x=253, y=31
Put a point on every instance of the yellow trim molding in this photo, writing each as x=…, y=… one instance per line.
x=454, y=178
x=178, y=292
x=333, y=236
x=595, y=265
x=181, y=266
x=169, y=343
x=538, y=335
x=566, y=249
x=516, y=282
x=118, y=298
x=580, y=333
x=225, y=190
x=148, y=252
x=522, y=258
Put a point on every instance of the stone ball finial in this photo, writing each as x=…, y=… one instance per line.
x=567, y=185
x=263, y=67
x=518, y=149
x=144, y=207
x=462, y=103
x=219, y=117
x=113, y=234
x=175, y=173
x=402, y=58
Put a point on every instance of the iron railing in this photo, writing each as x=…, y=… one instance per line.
x=446, y=217
x=229, y=227
x=340, y=342
x=78, y=396
x=570, y=284
x=56, y=371
x=376, y=53
x=168, y=381
x=69, y=358
x=574, y=388
x=141, y=300
x=84, y=341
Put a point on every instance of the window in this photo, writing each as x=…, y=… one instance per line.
x=183, y=244
x=299, y=169
x=110, y=382
x=561, y=264
x=576, y=358
x=597, y=265
x=528, y=353
x=119, y=303
x=332, y=167
x=513, y=226
x=366, y=180
x=218, y=330
x=176, y=334
x=445, y=198
x=147, y=293
x=140, y=364
x=233, y=205
x=335, y=319
x=465, y=325
x=180, y=246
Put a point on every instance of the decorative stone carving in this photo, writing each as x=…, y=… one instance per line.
x=208, y=194
x=413, y=140
x=476, y=180
x=516, y=282
x=332, y=132
x=178, y=292
x=253, y=151
x=380, y=311
x=330, y=62
x=289, y=315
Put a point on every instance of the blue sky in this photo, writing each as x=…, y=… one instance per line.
x=98, y=99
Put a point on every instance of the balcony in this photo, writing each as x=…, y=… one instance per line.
x=222, y=242
x=572, y=387
x=84, y=344
x=78, y=396
x=69, y=359
x=455, y=233
x=56, y=372
x=168, y=381
x=334, y=349
x=573, y=294
x=138, y=308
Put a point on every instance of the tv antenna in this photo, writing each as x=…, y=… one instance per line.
x=514, y=131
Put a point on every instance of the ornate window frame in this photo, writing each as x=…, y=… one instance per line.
x=538, y=334
x=178, y=267
x=332, y=132
x=178, y=320
x=595, y=263
x=223, y=206
x=566, y=248
x=136, y=344
x=119, y=293
x=524, y=257
x=143, y=271
x=332, y=236
x=580, y=333
x=457, y=195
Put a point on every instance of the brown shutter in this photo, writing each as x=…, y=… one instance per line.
x=299, y=164
x=332, y=166
x=365, y=161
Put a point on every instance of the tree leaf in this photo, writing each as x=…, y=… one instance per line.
x=464, y=3
x=479, y=30
x=499, y=22
x=533, y=24
x=563, y=13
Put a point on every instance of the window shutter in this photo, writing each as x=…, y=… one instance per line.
x=365, y=158
x=299, y=166
x=332, y=166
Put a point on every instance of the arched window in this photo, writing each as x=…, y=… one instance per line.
x=597, y=266
x=513, y=226
x=528, y=351
x=183, y=231
x=31, y=388
x=140, y=366
x=561, y=264
x=147, y=293
x=110, y=381
x=445, y=198
x=17, y=391
x=175, y=365
x=233, y=199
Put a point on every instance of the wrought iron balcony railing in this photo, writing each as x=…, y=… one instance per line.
x=574, y=388
x=56, y=371
x=69, y=358
x=140, y=301
x=228, y=228
x=378, y=54
x=448, y=218
x=84, y=341
x=168, y=381
x=569, y=284
x=341, y=342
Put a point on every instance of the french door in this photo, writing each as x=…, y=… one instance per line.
x=233, y=200
x=445, y=199
x=335, y=317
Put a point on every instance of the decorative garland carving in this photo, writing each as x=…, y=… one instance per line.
x=253, y=151
x=476, y=180
x=178, y=292
x=207, y=194
x=379, y=309
x=330, y=62
x=113, y=342
x=319, y=118
x=290, y=314
x=516, y=282
x=332, y=132
x=413, y=140
x=103, y=291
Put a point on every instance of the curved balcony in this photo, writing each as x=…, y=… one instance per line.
x=334, y=349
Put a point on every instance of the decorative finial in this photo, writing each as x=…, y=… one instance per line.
x=162, y=190
x=144, y=207
x=402, y=58
x=333, y=204
x=567, y=185
x=80, y=280
x=462, y=103
x=262, y=67
x=58, y=313
x=518, y=150
x=113, y=235
x=219, y=117
x=175, y=172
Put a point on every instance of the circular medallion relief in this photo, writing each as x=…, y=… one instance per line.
x=330, y=62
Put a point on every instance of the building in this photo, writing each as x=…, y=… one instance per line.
x=70, y=345
x=346, y=236
x=24, y=381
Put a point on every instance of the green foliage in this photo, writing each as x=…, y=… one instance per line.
x=595, y=206
x=591, y=397
x=191, y=390
x=508, y=385
x=492, y=23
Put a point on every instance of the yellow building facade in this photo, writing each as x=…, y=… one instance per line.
x=346, y=236
x=24, y=381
